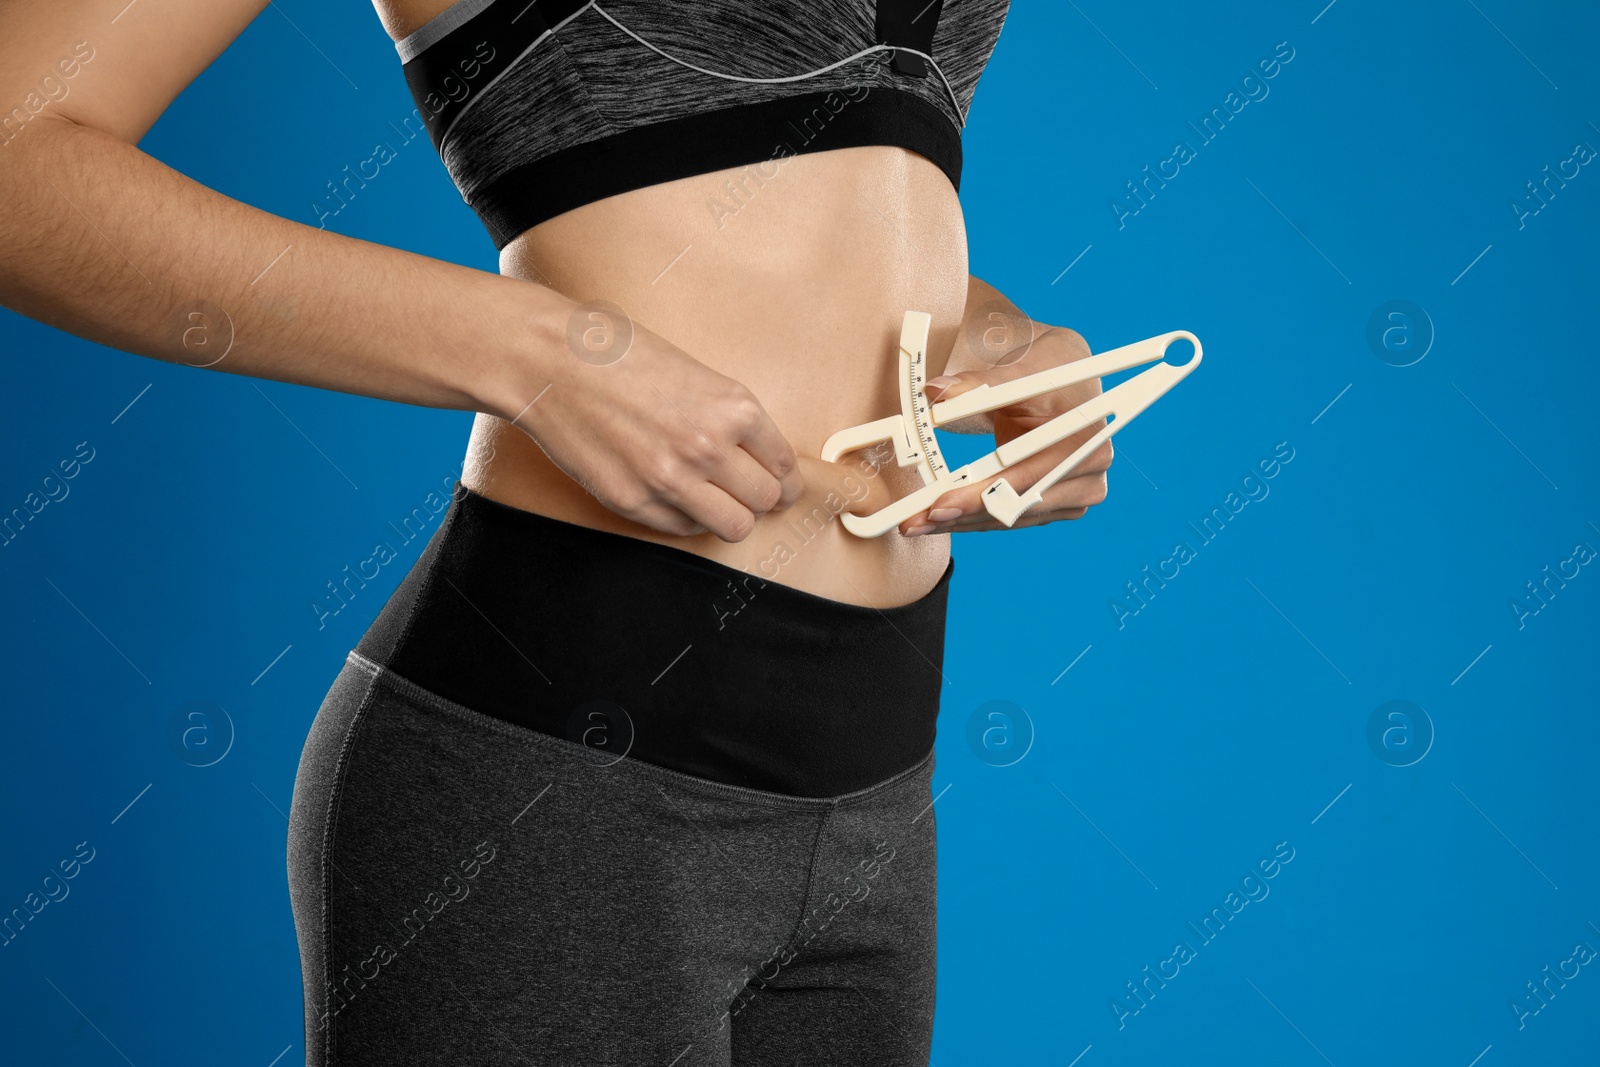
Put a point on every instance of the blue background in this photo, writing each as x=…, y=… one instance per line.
x=1229, y=714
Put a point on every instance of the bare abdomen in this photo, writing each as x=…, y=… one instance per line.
x=792, y=278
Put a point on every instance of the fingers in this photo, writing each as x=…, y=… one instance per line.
x=1084, y=486
x=709, y=489
x=704, y=508
x=950, y=386
x=763, y=442
x=746, y=481
x=725, y=487
x=962, y=510
x=1070, y=498
x=711, y=507
x=1034, y=516
x=671, y=495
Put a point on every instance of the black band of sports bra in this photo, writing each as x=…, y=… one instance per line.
x=540, y=106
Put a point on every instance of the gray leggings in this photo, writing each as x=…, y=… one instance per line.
x=469, y=891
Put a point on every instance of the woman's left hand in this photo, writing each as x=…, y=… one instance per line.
x=961, y=510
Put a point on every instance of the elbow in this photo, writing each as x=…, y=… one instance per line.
x=28, y=120
x=22, y=131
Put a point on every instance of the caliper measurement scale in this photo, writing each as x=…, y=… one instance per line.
x=911, y=432
x=913, y=379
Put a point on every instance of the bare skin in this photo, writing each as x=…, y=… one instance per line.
x=791, y=278
x=758, y=329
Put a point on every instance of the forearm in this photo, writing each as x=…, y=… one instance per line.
x=104, y=241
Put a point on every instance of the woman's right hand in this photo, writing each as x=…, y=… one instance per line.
x=653, y=434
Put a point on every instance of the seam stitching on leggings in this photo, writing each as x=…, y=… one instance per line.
x=335, y=795
x=535, y=739
x=811, y=880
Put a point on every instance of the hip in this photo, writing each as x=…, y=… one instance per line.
x=588, y=910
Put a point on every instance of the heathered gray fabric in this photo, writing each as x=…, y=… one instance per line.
x=469, y=891
x=589, y=79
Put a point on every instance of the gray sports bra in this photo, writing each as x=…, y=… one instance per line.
x=539, y=106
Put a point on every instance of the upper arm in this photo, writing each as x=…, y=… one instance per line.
x=114, y=65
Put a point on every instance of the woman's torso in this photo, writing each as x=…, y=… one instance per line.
x=791, y=277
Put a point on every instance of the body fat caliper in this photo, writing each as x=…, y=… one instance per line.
x=911, y=431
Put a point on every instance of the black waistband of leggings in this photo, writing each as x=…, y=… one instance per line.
x=662, y=655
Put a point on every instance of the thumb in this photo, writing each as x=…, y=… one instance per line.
x=946, y=386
